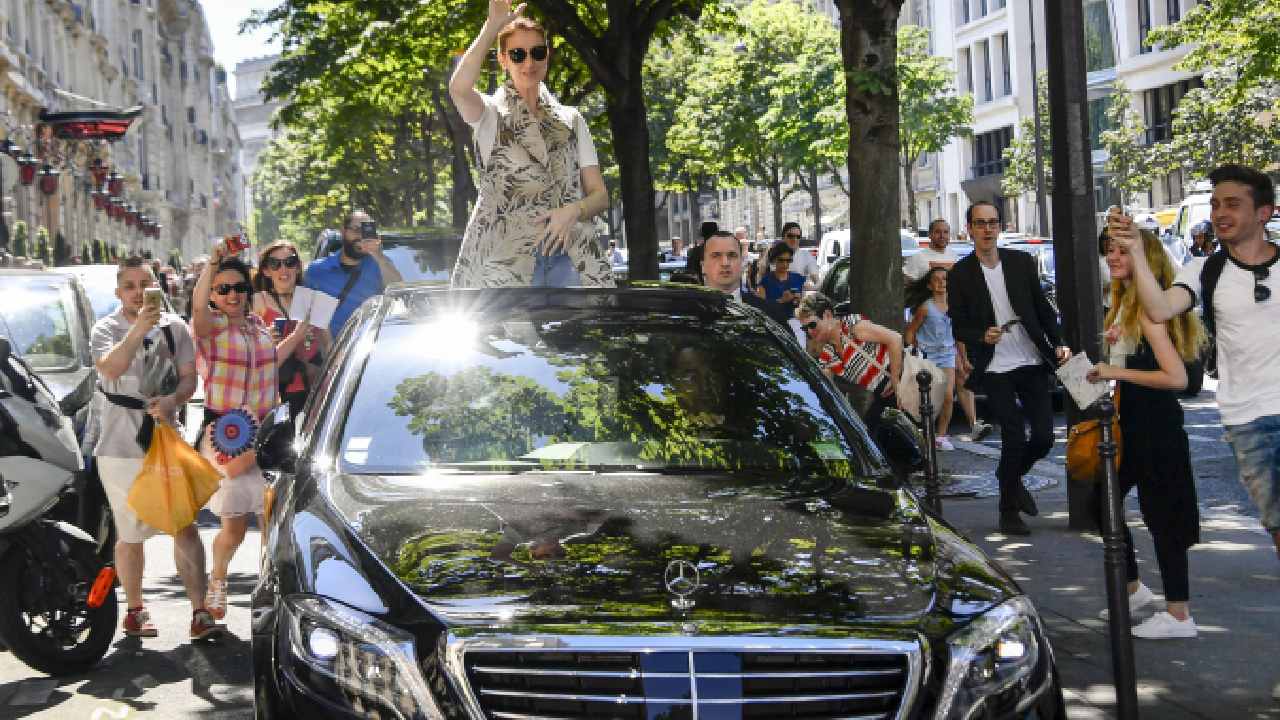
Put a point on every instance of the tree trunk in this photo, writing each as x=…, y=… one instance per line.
x=628, y=121
x=464, y=192
x=868, y=45
x=815, y=198
x=775, y=197
x=908, y=182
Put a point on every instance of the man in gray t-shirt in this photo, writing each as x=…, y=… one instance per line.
x=146, y=366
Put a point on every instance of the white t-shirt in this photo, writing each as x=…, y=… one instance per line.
x=1015, y=348
x=917, y=265
x=803, y=262
x=485, y=129
x=1248, y=340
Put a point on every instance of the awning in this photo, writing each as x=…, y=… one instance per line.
x=91, y=124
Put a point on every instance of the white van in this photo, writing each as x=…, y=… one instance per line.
x=834, y=245
x=1192, y=209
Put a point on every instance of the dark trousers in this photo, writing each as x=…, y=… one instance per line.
x=1015, y=400
x=1171, y=554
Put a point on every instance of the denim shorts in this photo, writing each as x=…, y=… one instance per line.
x=554, y=271
x=1257, y=448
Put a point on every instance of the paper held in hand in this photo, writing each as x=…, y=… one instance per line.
x=1074, y=375
x=315, y=306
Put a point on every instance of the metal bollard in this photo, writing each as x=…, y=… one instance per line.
x=1122, y=665
x=931, y=491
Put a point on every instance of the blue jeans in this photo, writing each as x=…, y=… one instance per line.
x=554, y=271
x=1257, y=448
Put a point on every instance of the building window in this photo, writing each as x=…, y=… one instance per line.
x=962, y=7
x=965, y=69
x=1144, y=25
x=982, y=8
x=997, y=5
x=988, y=151
x=1098, y=121
x=1174, y=10
x=1006, y=65
x=986, y=70
x=1157, y=108
x=1099, y=49
x=137, y=54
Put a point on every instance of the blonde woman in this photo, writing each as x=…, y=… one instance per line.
x=1147, y=361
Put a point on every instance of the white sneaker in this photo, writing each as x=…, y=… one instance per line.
x=1138, y=599
x=980, y=430
x=1163, y=626
x=942, y=442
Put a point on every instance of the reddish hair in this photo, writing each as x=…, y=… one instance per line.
x=521, y=23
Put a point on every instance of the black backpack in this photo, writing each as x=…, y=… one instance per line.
x=1209, y=275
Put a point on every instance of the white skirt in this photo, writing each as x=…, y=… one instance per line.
x=239, y=495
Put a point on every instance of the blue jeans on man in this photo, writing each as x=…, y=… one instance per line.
x=1257, y=448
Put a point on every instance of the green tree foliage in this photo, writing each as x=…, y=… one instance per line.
x=930, y=112
x=868, y=50
x=1133, y=164
x=1224, y=122
x=1020, y=156
x=766, y=101
x=1241, y=36
x=20, y=239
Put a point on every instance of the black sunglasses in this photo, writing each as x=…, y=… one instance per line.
x=242, y=287
x=517, y=55
x=1261, y=293
x=792, y=236
x=275, y=263
x=809, y=326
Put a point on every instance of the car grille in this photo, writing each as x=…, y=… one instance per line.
x=692, y=684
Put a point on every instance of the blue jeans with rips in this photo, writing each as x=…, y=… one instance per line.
x=1257, y=448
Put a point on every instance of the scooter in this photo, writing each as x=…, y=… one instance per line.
x=58, y=607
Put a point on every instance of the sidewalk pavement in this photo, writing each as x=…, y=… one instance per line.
x=1227, y=672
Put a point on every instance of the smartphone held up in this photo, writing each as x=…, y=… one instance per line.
x=236, y=243
x=153, y=298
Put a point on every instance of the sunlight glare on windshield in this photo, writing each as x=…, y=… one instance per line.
x=448, y=334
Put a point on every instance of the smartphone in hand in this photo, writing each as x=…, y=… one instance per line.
x=236, y=243
x=153, y=297
x=368, y=230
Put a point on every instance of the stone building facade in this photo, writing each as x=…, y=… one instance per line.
x=180, y=159
x=253, y=117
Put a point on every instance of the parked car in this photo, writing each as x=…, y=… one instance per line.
x=835, y=281
x=635, y=502
x=666, y=269
x=47, y=318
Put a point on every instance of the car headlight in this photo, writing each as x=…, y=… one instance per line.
x=993, y=660
x=352, y=659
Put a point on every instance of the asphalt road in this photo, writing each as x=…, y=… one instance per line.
x=163, y=677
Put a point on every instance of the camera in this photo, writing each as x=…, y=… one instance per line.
x=368, y=230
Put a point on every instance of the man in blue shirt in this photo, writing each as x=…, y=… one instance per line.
x=355, y=274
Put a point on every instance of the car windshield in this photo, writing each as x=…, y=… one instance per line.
x=39, y=319
x=574, y=391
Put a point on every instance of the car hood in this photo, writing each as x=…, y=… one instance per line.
x=72, y=388
x=595, y=551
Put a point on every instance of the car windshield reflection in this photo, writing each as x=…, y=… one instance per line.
x=577, y=392
x=38, y=316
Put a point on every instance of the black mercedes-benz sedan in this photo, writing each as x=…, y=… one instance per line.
x=635, y=503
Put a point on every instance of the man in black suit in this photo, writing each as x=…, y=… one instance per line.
x=721, y=268
x=999, y=311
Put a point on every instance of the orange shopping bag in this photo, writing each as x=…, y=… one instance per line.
x=175, y=482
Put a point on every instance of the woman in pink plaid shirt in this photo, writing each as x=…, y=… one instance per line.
x=236, y=358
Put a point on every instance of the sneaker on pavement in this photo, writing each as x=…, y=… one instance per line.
x=1138, y=599
x=980, y=431
x=1163, y=626
x=137, y=623
x=215, y=598
x=203, y=626
x=943, y=443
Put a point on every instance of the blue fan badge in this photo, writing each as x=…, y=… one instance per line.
x=233, y=433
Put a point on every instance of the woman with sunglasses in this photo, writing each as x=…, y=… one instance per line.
x=1147, y=361
x=539, y=177
x=236, y=358
x=780, y=288
x=279, y=267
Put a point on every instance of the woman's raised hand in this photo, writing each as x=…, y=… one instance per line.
x=501, y=13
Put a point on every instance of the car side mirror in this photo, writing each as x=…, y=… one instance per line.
x=274, y=445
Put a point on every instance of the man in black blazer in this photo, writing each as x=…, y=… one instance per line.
x=999, y=311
